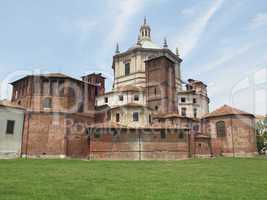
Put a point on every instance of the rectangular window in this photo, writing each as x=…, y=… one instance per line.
x=181, y=135
x=194, y=100
x=150, y=119
x=184, y=112
x=162, y=134
x=127, y=69
x=195, y=113
x=117, y=117
x=183, y=100
x=121, y=97
x=106, y=100
x=10, y=126
x=136, y=97
x=135, y=116
x=80, y=108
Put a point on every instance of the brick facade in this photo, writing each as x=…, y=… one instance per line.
x=139, y=144
x=239, y=139
x=59, y=108
x=160, y=84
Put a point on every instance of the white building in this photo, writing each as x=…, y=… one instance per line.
x=130, y=79
x=11, y=128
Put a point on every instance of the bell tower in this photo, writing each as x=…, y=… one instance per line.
x=145, y=31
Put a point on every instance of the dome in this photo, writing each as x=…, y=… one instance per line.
x=149, y=45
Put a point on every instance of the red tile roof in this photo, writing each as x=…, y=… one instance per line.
x=226, y=110
x=51, y=75
x=9, y=104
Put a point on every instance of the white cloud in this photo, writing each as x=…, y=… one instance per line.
x=189, y=38
x=259, y=20
x=125, y=9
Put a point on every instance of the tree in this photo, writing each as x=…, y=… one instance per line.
x=261, y=131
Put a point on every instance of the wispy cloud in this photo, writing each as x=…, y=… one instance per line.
x=259, y=20
x=189, y=38
x=125, y=9
x=226, y=55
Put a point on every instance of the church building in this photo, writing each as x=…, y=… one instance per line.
x=151, y=113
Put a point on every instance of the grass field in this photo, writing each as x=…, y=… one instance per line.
x=192, y=179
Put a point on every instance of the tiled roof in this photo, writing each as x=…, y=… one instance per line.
x=9, y=104
x=226, y=110
x=52, y=75
x=171, y=115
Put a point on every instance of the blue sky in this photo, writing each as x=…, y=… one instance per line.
x=222, y=42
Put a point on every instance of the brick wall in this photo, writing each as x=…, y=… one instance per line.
x=136, y=144
x=160, y=84
x=239, y=139
x=55, y=134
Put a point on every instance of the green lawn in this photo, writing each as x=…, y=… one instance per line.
x=192, y=179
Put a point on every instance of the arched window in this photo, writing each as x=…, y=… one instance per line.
x=220, y=129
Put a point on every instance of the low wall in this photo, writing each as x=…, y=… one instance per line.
x=126, y=144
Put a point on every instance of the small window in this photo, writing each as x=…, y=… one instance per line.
x=10, y=126
x=127, y=69
x=80, y=108
x=195, y=113
x=135, y=116
x=150, y=119
x=106, y=100
x=47, y=103
x=196, y=128
x=194, y=100
x=184, y=112
x=183, y=100
x=97, y=134
x=121, y=97
x=162, y=134
x=136, y=97
x=220, y=128
x=155, y=91
x=117, y=117
x=181, y=135
x=156, y=108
